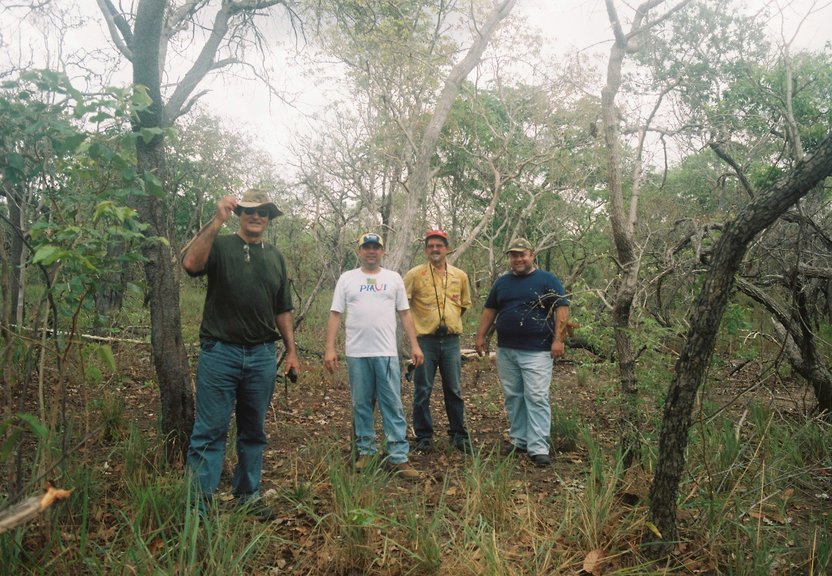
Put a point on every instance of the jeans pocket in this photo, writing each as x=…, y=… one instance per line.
x=208, y=345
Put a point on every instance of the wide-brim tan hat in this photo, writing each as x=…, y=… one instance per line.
x=255, y=198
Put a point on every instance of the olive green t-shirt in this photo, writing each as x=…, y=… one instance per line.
x=247, y=288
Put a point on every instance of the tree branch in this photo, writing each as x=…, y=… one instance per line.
x=31, y=507
x=119, y=28
x=202, y=65
x=738, y=171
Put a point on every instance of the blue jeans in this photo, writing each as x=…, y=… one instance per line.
x=526, y=376
x=378, y=378
x=441, y=352
x=229, y=375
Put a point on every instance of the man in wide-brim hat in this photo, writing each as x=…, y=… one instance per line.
x=248, y=307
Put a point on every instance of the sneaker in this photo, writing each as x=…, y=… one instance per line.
x=406, y=471
x=509, y=449
x=363, y=462
x=540, y=460
x=423, y=445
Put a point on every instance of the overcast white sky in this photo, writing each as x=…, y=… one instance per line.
x=567, y=25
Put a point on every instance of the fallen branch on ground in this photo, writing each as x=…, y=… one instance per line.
x=24, y=511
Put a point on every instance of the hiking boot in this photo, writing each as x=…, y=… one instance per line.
x=423, y=445
x=540, y=460
x=363, y=462
x=261, y=512
x=405, y=471
x=463, y=445
x=258, y=510
x=509, y=449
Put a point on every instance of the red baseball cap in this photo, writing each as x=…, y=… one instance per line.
x=436, y=232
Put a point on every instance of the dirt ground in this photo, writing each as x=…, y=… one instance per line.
x=320, y=411
x=317, y=416
x=312, y=417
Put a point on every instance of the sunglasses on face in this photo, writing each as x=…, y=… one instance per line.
x=262, y=212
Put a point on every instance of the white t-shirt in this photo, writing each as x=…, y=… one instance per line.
x=370, y=302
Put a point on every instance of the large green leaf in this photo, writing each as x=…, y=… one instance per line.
x=48, y=254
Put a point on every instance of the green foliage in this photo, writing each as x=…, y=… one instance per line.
x=736, y=319
x=747, y=471
x=598, y=516
x=36, y=133
x=489, y=134
x=111, y=414
x=423, y=526
x=132, y=513
x=489, y=488
x=69, y=164
x=81, y=251
x=721, y=450
x=13, y=429
x=357, y=514
x=594, y=327
x=105, y=353
x=565, y=430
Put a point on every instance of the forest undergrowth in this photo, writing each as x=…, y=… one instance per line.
x=755, y=499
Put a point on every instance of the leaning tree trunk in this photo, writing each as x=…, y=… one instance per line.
x=797, y=339
x=168, y=349
x=805, y=361
x=704, y=323
x=418, y=182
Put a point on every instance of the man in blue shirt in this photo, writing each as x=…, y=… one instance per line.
x=532, y=312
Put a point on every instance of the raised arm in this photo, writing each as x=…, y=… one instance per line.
x=196, y=255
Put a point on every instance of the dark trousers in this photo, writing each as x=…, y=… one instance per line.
x=441, y=352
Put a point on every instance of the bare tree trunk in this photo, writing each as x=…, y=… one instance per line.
x=622, y=231
x=169, y=355
x=8, y=376
x=418, y=181
x=705, y=318
x=17, y=247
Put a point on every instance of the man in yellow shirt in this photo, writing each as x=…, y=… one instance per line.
x=439, y=294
